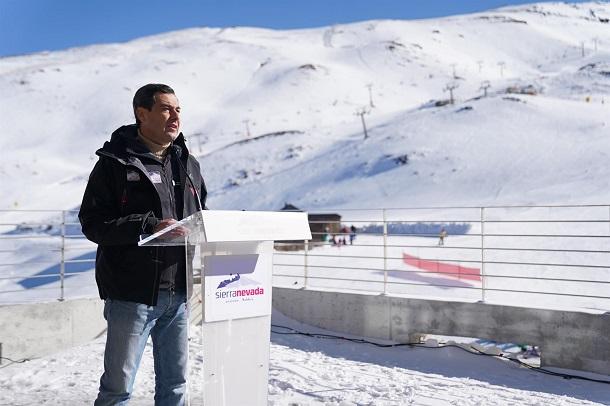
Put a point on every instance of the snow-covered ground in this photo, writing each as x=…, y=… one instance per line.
x=313, y=371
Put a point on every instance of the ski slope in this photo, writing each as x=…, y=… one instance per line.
x=272, y=115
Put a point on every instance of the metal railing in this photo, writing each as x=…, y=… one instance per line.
x=526, y=255
x=37, y=249
x=534, y=256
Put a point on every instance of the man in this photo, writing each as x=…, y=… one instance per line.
x=352, y=234
x=441, y=236
x=144, y=181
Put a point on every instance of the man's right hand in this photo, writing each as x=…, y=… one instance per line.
x=179, y=231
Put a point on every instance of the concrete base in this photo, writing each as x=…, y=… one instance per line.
x=567, y=339
x=38, y=329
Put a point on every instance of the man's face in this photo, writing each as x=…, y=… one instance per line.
x=162, y=123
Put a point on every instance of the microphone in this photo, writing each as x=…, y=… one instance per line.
x=177, y=151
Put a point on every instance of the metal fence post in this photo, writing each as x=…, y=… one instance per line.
x=482, y=254
x=305, y=270
x=62, y=264
x=385, y=253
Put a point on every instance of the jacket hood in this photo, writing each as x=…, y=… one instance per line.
x=123, y=143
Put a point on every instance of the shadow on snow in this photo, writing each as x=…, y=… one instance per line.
x=52, y=273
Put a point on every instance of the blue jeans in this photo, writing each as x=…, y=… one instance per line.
x=129, y=326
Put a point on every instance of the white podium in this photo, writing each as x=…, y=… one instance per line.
x=236, y=249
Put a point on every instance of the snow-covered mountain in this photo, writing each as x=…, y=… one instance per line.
x=273, y=115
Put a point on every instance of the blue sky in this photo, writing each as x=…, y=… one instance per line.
x=36, y=25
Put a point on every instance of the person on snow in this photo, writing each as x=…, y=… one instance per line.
x=441, y=236
x=352, y=234
x=144, y=181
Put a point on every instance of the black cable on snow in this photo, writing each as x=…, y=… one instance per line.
x=472, y=350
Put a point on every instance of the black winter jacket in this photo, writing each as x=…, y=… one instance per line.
x=121, y=203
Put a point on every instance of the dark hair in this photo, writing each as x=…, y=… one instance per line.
x=145, y=96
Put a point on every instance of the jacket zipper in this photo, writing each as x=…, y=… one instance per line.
x=155, y=284
x=170, y=186
x=169, y=182
x=123, y=200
